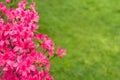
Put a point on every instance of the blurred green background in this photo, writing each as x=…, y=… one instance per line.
x=90, y=31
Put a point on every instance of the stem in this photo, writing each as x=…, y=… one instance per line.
x=52, y=57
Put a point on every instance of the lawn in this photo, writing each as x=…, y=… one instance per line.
x=90, y=31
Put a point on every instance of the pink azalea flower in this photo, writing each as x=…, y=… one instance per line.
x=22, y=4
x=7, y=1
x=61, y=52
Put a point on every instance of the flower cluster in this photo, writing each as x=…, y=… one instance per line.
x=19, y=57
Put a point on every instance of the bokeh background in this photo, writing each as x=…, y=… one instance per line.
x=90, y=31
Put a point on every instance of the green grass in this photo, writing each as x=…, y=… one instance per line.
x=90, y=31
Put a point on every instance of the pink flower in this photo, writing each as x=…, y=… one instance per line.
x=48, y=45
x=3, y=8
x=40, y=59
x=39, y=36
x=7, y=1
x=22, y=4
x=61, y=52
x=45, y=75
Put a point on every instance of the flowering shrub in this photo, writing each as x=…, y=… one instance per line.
x=19, y=55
